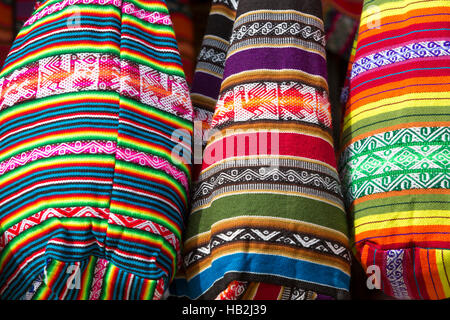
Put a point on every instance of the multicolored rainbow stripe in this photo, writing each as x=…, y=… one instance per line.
x=267, y=217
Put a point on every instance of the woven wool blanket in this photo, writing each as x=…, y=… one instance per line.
x=92, y=195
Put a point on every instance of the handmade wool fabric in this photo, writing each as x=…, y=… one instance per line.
x=95, y=124
x=6, y=29
x=204, y=94
x=396, y=146
x=267, y=208
x=181, y=16
x=351, y=8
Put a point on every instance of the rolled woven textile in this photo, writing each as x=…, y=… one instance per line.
x=183, y=25
x=396, y=147
x=95, y=126
x=267, y=216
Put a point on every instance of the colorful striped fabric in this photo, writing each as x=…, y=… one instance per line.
x=396, y=146
x=211, y=61
x=267, y=213
x=95, y=126
x=183, y=25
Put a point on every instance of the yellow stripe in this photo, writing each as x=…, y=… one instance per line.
x=152, y=6
x=315, y=258
x=251, y=291
x=403, y=219
x=58, y=101
x=138, y=170
x=403, y=102
x=132, y=233
x=207, y=71
x=198, y=98
x=157, y=114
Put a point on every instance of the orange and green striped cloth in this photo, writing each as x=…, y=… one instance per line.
x=395, y=157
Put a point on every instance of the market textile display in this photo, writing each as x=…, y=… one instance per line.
x=396, y=146
x=267, y=208
x=93, y=196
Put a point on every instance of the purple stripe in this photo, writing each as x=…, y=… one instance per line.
x=276, y=58
x=206, y=84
